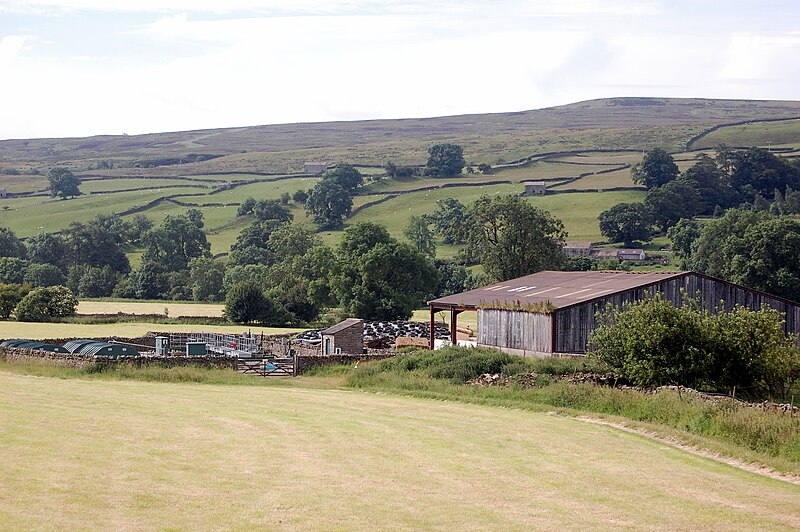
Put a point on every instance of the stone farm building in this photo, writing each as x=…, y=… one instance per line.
x=550, y=313
x=3, y=193
x=346, y=337
x=535, y=188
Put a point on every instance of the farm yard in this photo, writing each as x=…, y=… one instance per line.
x=153, y=455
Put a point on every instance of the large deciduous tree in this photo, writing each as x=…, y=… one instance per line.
x=656, y=169
x=762, y=172
x=97, y=245
x=673, y=201
x=627, y=222
x=330, y=203
x=345, y=175
x=247, y=303
x=377, y=277
x=420, y=236
x=63, y=183
x=48, y=248
x=445, y=160
x=513, y=238
x=175, y=242
x=451, y=221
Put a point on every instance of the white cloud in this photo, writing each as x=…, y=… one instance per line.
x=753, y=56
x=10, y=48
x=442, y=7
x=313, y=60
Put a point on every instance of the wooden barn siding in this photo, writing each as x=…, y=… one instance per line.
x=573, y=324
x=515, y=329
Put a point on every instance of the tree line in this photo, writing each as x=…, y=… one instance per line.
x=753, y=178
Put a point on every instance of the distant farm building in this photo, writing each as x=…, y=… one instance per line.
x=577, y=249
x=586, y=249
x=314, y=168
x=619, y=254
x=551, y=313
x=535, y=188
x=346, y=337
x=222, y=186
x=3, y=193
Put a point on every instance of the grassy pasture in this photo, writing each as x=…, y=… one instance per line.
x=29, y=216
x=546, y=170
x=141, y=307
x=579, y=211
x=399, y=185
x=628, y=157
x=618, y=178
x=134, y=455
x=110, y=185
x=264, y=190
x=757, y=134
x=23, y=183
x=38, y=331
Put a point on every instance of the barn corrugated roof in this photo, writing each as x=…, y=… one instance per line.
x=562, y=289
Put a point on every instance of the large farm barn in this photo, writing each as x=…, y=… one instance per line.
x=553, y=312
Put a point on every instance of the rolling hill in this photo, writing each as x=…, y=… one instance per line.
x=582, y=150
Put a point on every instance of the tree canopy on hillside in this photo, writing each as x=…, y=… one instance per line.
x=63, y=183
x=330, y=203
x=379, y=278
x=754, y=249
x=656, y=169
x=627, y=222
x=445, y=160
x=513, y=238
x=10, y=245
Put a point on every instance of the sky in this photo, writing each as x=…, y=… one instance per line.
x=87, y=67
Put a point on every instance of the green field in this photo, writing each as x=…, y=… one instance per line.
x=547, y=170
x=263, y=190
x=29, y=216
x=618, y=178
x=757, y=134
x=579, y=211
x=109, y=185
x=134, y=455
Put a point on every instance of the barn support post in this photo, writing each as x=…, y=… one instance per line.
x=432, y=329
x=454, y=326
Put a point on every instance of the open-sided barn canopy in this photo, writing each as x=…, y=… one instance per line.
x=553, y=312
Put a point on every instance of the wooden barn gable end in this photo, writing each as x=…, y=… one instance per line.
x=573, y=323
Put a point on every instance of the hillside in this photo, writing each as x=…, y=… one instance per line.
x=583, y=151
x=634, y=123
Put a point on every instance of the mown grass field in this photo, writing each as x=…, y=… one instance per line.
x=134, y=455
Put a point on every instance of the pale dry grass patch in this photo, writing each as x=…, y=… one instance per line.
x=132, y=455
x=140, y=307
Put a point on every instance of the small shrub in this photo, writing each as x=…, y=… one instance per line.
x=44, y=304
